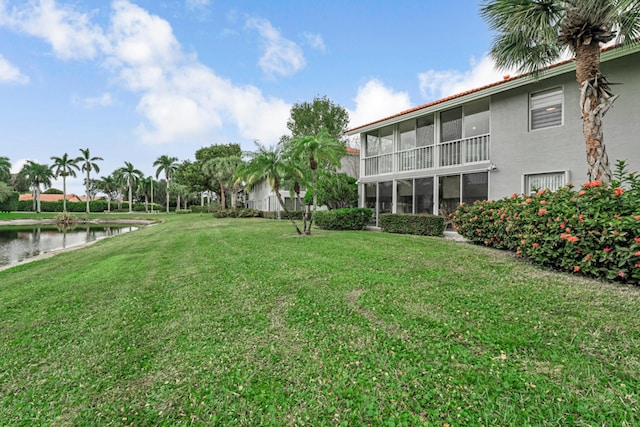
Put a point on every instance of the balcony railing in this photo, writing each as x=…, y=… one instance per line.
x=451, y=153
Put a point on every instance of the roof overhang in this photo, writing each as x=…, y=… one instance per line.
x=491, y=89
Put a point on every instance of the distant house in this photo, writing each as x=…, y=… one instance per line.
x=53, y=197
x=263, y=198
x=507, y=137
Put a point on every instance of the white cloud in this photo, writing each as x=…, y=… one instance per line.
x=375, y=101
x=197, y=4
x=17, y=166
x=315, y=41
x=281, y=56
x=181, y=100
x=436, y=84
x=104, y=100
x=70, y=33
x=10, y=73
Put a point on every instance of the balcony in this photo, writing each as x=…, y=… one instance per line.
x=451, y=153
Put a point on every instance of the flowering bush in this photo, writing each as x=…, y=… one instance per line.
x=594, y=231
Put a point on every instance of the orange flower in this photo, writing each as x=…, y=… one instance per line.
x=581, y=193
x=573, y=239
x=542, y=211
x=576, y=268
x=637, y=253
x=636, y=239
x=617, y=192
x=535, y=245
x=541, y=192
x=607, y=250
x=587, y=257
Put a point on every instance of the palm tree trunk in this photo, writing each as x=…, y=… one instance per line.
x=223, y=200
x=38, y=199
x=86, y=190
x=595, y=101
x=315, y=195
x=167, y=195
x=130, y=198
x=64, y=194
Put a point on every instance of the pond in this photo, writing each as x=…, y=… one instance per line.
x=19, y=243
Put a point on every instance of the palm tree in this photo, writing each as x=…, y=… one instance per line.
x=270, y=165
x=129, y=175
x=64, y=167
x=533, y=34
x=322, y=149
x=222, y=171
x=88, y=164
x=146, y=189
x=5, y=169
x=169, y=166
x=109, y=186
x=37, y=174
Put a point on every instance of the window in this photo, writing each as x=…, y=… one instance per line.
x=545, y=109
x=425, y=131
x=451, y=125
x=386, y=140
x=476, y=118
x=373, y=144
x=385, y=197
x=407, y=135
x=475, y=186
x=404, y=193
x=424, y=195
x=548, y=181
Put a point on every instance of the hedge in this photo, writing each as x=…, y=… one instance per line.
x=421, y=225
x=343, y=219
x=10, y=204
x=594, y=231
x=94, y=205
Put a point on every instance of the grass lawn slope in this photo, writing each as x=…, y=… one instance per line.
x=202, y=321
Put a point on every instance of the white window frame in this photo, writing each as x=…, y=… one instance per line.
x=564, y=177
x=547, y=98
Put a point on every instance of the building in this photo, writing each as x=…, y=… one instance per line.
x=508, y=137
x=263, y=198
x=54, y=197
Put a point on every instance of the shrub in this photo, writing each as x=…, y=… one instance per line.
x=343, y=219
x=594, y=231
x=238, y=213
x=421, y=225
x=10, y=203
x=183, y=211
x=296, y=215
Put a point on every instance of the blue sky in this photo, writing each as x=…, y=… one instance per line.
x=135, y=79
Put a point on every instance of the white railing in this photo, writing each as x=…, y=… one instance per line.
x=451, y=153
x=378, y=165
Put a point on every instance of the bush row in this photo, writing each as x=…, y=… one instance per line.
x=343, y=219
x=238, y=213
x=594, y=231
x=422, y=225
x=296, y=215
x=10, y=204
x=94, y=205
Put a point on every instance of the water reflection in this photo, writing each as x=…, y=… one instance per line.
x=18, y=244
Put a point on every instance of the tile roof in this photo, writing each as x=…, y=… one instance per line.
x=52, y=197
x=507, y=78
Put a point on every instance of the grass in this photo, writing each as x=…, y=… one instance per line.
x=198, y=321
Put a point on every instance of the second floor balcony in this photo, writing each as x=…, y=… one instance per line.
x=447, y=154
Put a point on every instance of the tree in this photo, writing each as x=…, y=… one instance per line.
x=319, y=148
x=168, y=165
x=533, y=34
x=336, y=190
x=222, y=171
x=36, y=175
x=268, y=164
x=5, y=169
x=147, y=188
x=109, y=186
x=88, y=165
x=129, y=175
x=310, y=118
x=64, y=167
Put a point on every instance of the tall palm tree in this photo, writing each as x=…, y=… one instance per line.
x=268, y=164
x=109, y=186
x=37, y=175
x=222, y=171
x=533, y=34
x=5, y=169
x=146, y=189
x=64, y=167
x=319, y=149
x=129, y=175
x=88, y=165
x=169, y=166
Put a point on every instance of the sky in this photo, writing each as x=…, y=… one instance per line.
x=136, y=79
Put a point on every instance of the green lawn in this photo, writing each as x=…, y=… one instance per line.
x=198, y=321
